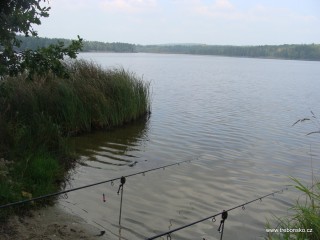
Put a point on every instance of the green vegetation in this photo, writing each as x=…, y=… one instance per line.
x=38, y=116
x=294, y=51
x=44, y=100
x=286, y=51
x=34, y=43
x=306, y=215
x=18, y=17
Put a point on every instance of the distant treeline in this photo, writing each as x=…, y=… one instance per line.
x=294, y=51
x=286, y=51
x=88, y=46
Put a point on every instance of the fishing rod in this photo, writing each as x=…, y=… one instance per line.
x=93, y=184
x=224, y=215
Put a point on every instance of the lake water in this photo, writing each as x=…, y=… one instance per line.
x=234, y=115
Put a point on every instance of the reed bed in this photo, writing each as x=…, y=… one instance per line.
x=37, y=116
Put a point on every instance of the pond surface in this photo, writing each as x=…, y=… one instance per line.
x=234, y=115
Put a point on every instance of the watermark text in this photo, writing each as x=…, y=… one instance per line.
x=288, y=230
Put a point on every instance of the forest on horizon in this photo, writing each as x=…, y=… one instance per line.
x=285, y=51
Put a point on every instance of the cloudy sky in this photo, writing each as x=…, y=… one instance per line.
x=220, y=22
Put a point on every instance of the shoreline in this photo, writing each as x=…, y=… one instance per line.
x=213, y=55
x=49, y=223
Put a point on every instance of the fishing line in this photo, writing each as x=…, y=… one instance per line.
x=224, y=215
x=91, y=185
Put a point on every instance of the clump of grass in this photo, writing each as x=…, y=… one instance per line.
x=36, y=175
x=49, y=108
x=306, y=215
x=37, y=117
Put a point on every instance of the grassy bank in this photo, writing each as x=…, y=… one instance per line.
x=37, y=117
x=304, y=221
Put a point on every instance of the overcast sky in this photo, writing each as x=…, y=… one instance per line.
x=220, y=22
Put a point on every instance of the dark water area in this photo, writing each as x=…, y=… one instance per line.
x=234, y=115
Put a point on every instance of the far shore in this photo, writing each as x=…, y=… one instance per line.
x=209, y=55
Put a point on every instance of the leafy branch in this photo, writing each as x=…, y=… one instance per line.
x=19, y=17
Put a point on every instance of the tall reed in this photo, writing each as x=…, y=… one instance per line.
x=37, y=116
x=304, y=221
x=49, y=108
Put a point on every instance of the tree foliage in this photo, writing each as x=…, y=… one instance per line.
x=33, y=43
x=19, y=16
x=46, y=59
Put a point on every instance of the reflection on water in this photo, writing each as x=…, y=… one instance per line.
x=118, y=147
x=234, y=114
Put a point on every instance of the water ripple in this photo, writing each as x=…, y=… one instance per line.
x=235, y=115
